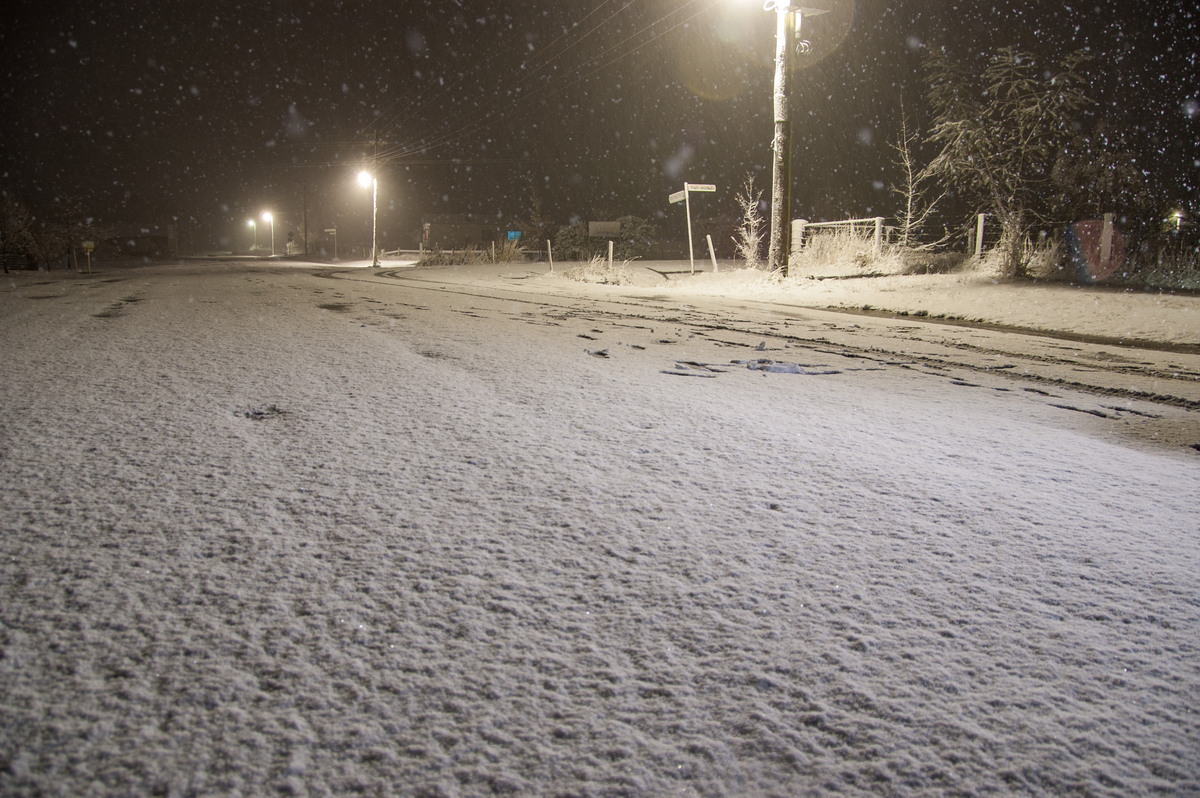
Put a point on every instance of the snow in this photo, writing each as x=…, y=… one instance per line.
x=270, y=528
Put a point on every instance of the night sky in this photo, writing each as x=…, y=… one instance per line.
x=144, y=113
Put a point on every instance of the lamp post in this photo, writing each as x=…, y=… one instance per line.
x=365, y=179
x=254, y=225
x=788, y=20
x=267, y=217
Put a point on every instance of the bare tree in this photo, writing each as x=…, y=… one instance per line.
x=1000, y=129
x=913, y=189
x=536, y=227
x=749, y=235
x=47, y=241
x=15, y=229
x=77, y=226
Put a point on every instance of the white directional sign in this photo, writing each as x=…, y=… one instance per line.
x=682, y=196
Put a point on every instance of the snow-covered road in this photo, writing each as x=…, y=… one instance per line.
x=272, y=529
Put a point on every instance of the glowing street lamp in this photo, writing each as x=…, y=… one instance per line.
x=253, y=224
x=1178, y=217
x=365, y=179
x=787, y=24
x=267, y=217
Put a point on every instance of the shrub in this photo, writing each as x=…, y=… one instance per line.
x=843, y=253
x=749, y=235
x=632, y=242
x=571, y=242
x=1163, y=265
x=510, y=252
x=920, y=261
x=635, y=238
x=456, y=257
x=599, y=270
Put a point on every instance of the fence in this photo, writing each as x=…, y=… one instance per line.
x=13, y=262
x=872, y=227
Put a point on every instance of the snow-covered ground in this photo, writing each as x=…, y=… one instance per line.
x=272, y=529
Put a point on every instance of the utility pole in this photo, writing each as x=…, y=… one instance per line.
x=375, y=199
x=304, y=205
x=787, y=23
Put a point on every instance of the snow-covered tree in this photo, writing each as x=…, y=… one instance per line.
x=1000, y=129
x=635, y=238
x=48, y=241
x=913, y=189
x=536, y=226
x=16, y=229
x=748, y=236
x=571, y=242
x=1098, y=172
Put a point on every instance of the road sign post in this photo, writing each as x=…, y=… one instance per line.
x=684, y=197
x=333, y=232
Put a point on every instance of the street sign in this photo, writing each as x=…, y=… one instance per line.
x=600, y=229
x=331, y=230
x=682, y=196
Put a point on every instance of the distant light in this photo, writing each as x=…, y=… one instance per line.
x=266, y=217
x=364, y=178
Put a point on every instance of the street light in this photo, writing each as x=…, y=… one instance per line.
x=253, y=224
x=365, y=179
x=267, y=217
x=787, y=24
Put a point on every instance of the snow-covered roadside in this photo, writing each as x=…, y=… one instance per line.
x=972, y=296
x=267, y=531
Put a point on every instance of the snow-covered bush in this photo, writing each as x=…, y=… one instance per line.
x=600, y=270
x=1170, y=265
x=923, y=261
x=509, y=252
x=633, y=241
x=748, y=236
x=456, y=257
x=843, y=253
x=571, y=242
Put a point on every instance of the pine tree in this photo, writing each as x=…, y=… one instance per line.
x=1000, y=130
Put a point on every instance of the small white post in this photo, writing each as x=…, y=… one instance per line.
x=979, y=235
x=712, y=255
x=610, y=252
x=878, y=234
x=493, y=252
x=687, y=204
x=550, y=254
